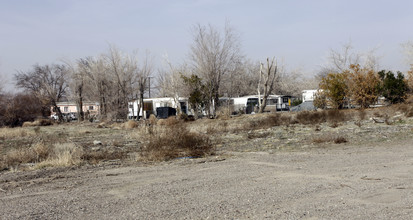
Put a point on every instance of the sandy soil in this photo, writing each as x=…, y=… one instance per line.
x=368, y=181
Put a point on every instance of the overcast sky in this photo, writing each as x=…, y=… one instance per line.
x=299, y=32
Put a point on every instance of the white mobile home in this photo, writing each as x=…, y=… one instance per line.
x=151, y=104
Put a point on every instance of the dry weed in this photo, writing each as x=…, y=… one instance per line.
x=63, y=155
x=152, y=119
x=10, y=133
x=224, y=113
x=174, y=141
x=169, y=121
x=329, y=138
x=39, y=122
x=18, y=156
x=42, y=151
x=130, y=124
x=94, y=157
x=311, y=117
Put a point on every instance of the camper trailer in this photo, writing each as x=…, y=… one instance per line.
x=249, y=104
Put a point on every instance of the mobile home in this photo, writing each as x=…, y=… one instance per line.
x=151, y=104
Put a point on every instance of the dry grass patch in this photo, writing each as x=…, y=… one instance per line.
x=11, y=133
x=33, y=154
x=63, y=155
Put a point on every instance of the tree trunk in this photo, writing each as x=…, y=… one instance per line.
x=80, y=113
x=58, y=111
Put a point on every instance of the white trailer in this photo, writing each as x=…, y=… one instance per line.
x=150, y=105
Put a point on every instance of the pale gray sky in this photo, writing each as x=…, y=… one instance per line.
x=299, y=32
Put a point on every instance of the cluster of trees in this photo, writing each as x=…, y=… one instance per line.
x=360, y=86
x=353, y=79
x=111, y=79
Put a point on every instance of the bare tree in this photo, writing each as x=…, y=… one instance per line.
x=340, y=60
x=97, y=83
x=142, y=77
x=48, y=83
x=171, y=83
x=293, y=82
x=266, y=82
x=213, y=55
x=123, y=69
x=408, y=51
x=78, y=72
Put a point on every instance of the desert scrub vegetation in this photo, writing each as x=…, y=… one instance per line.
x=172, y=139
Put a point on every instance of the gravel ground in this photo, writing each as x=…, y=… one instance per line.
x=368, y=181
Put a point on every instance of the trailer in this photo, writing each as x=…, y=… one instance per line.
x=150, y=106
x=249, y=104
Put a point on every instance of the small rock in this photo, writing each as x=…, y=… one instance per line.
x=95, y=148
x=378, y=120
x=97, y=142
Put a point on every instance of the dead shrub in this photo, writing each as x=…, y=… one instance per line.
x=184, y=117
x=279, y=119
x=311, y=117
x=44, y=122
x=254, y=135
x=94, y=157
x=268, y=121
x=18, y=156
x=339, y=140
x=361, y=113
x=38, y=122
x=42, y=151
x=28, y=124
x=169, y=121
x=152, y=119
x=335, y=116
x=406, y=109
x=131, y=124
x=175, y=141
x=63, y=155
x=223, y=113
x=33, y=154
x=329, y=138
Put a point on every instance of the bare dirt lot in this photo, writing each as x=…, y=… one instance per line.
x=369, y=177
x=337, y=182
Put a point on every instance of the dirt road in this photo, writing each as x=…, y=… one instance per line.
x=335, y=182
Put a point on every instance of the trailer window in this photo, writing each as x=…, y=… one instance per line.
x=272, y=101
x=252, y=102
x=285, y=100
